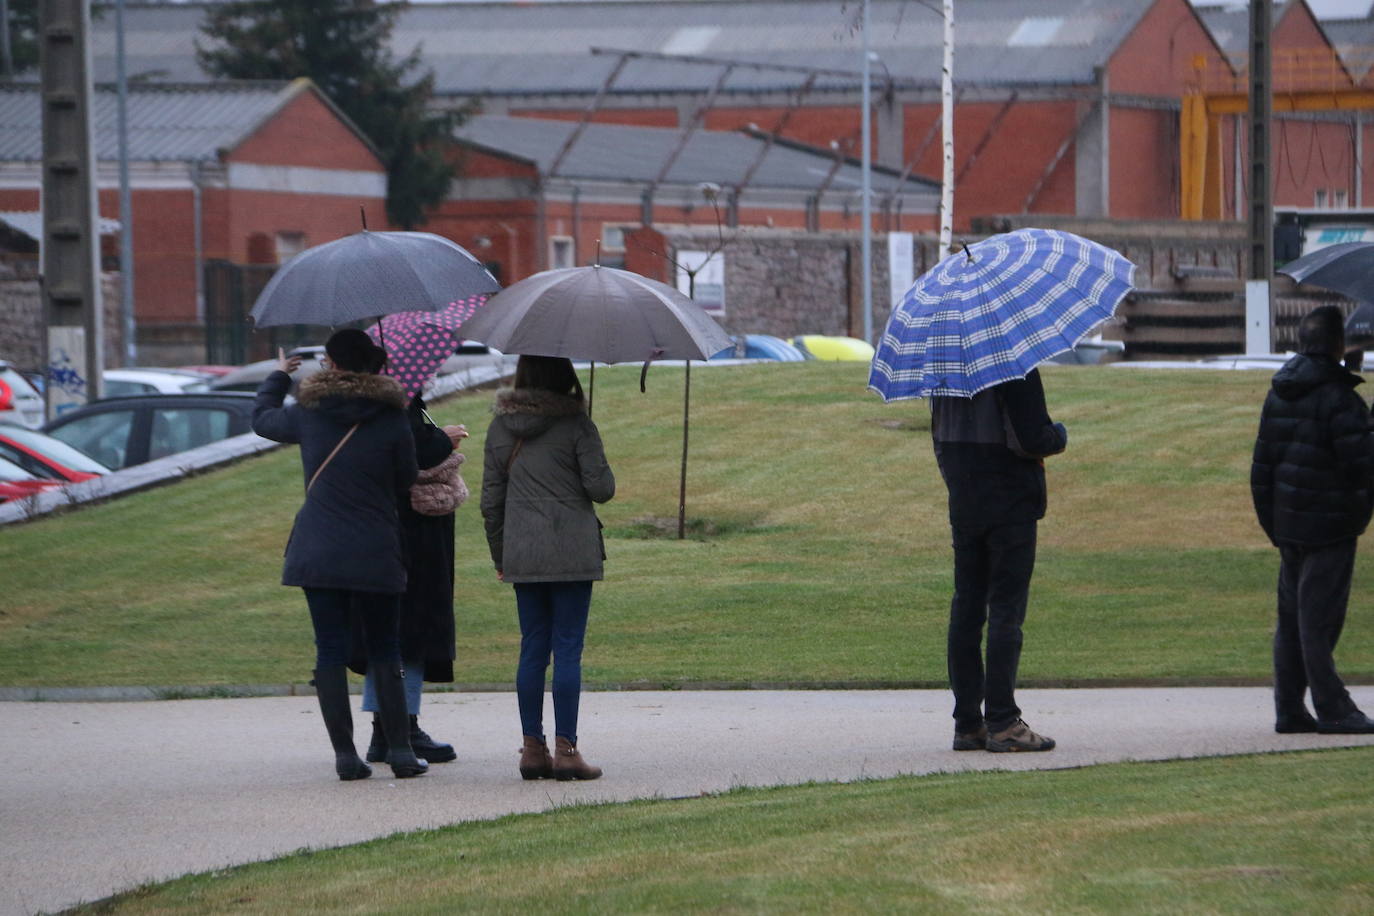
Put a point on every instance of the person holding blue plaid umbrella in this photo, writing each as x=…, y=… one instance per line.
x=969, y=335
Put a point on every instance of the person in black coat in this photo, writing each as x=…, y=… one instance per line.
x=1312, y=481
x=428, y=645
x=990, y=449
x=357, y=454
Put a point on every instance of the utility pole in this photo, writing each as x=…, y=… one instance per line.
x=866, y=128
x=1258, y=321
x=947, y=129
x=71, y=216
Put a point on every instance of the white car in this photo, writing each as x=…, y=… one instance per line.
x=124, y=382
x=19, y=402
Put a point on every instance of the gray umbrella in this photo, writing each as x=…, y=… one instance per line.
x=1347, y=268
x=603, y=314
x=596, y=313
x=370, y=274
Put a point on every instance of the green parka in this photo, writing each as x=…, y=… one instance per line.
x=544, y=467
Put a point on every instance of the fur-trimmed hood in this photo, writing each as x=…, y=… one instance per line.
x=350, y=396
x=527, y=412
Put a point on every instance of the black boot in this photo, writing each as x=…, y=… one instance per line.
x=376, y=748
x=331, y=689
x=426, y=748
x=391, y=706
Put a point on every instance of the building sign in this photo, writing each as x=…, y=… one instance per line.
x=709, y=290
x=901, y=264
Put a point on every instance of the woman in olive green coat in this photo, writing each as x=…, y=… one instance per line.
x=544, y=468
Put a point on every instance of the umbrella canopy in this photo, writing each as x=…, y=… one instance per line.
x=596, y=313
x=417, y=343
x=1359, y=327
x=996, y=310
x=1347, y=268
x=370, y=274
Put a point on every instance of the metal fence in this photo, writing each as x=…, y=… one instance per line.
x=230, y=337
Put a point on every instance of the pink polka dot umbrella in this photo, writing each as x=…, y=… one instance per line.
x=417, y=343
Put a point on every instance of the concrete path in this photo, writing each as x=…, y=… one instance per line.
x=100, y=797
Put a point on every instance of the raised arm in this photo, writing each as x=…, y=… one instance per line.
x=1024, y=402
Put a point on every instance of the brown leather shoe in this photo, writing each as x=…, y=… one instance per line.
x=535, y=762
x=568, y=763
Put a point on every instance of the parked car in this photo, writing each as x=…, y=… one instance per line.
x=19, y=402
x=121, y=383
x=761, y=346
x=122, y=432
x=17, y=483
x=46, y=457
x=834, y=349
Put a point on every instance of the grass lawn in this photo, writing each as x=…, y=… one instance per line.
x=1279, y=833
x=821, y=550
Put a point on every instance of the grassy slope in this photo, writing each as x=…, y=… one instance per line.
x=1218, y=835
x=829, y=560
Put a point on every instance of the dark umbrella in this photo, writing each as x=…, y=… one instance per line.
x=1359, y=328
x=604, y=315
x=1347, y=268
x=369, y=274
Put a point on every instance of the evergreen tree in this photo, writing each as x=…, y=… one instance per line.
x=23, y=29
x=342, y=45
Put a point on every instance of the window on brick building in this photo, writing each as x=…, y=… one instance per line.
x=1340, y=199
x=289, y=244
x=1319, y=198
x=560, y=252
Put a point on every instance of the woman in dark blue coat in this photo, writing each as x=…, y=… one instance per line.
x=358, y=457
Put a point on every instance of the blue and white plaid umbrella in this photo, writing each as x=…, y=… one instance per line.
x=995, y=311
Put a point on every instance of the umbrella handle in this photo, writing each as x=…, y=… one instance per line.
x=643, y=373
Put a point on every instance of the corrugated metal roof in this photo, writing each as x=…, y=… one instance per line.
x=1354, y=41
x=1230, y=28
x=165, y=123
x=612, y=152
x=544, y=47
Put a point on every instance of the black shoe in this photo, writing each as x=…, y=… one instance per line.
x=1356, y=723
x=1300, y=723
x=426, y=748
x=376, y=748
x=971, y=741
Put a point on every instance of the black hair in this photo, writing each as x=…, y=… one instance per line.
x=1322, y=330
x=353, y=351
x=548, y=373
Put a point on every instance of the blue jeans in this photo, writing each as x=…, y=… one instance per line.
x=331, y=612
x=415, y=682
x=553, y=619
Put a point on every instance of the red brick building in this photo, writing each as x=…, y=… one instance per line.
x=245, y=173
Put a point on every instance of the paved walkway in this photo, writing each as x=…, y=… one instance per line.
x=99, y=797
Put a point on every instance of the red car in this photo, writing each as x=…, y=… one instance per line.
x=17, y=483
x=46, y=458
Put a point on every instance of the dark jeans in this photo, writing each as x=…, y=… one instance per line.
x=553, y=619
x=992, y=573
x=1314, y=587
x=332, y=610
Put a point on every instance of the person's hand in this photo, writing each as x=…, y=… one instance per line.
x=500, y=576
x=287, y=364
x=456, y=434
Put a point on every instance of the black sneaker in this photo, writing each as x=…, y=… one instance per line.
x=971, y=741
x=1018, y=737
x=1356, y=723
x=1299, y=723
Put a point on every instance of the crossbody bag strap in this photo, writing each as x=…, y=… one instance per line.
x=513, y=452
x=323, y=464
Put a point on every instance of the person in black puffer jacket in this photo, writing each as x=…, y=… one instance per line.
x=1312, y=480
x=344, y=551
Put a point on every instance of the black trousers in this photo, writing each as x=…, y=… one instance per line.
x=1314, y=589
x=992, y=573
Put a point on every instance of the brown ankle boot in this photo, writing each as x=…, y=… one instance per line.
x=535, y=762
x=568, y=763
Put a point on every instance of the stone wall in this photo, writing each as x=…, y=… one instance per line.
x=22, y=338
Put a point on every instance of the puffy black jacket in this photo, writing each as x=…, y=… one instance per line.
x=1314, y=457
x=989, y=448
x=346, y=533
